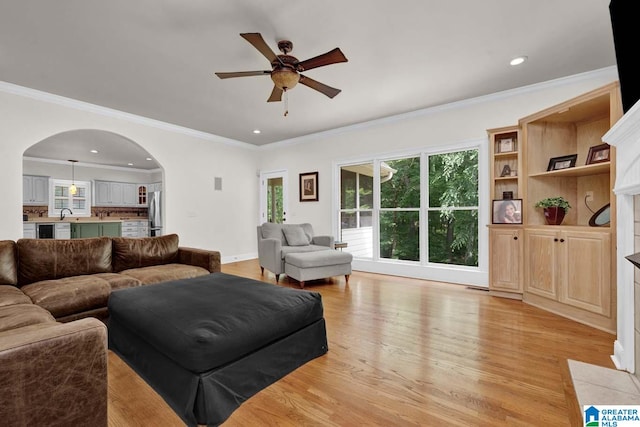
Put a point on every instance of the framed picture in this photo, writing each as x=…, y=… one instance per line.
x=309, y=187
x=598, y=154
x=564, y=162
x=507, y=211
x=506, y=145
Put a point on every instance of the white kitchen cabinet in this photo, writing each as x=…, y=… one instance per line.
x=154, y=186
x=110, y=193
x=137, y=228
x=35, y=190
x=29, y=231
x=63, y=230
x=129, y=194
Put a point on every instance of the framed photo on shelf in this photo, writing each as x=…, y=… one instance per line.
x=309, y=187
x=506, y=171
x=506, y=145
x=598, y=154
x=507, y=211
x=563, y=162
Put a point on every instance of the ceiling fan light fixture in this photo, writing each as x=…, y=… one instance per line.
x=285, y=78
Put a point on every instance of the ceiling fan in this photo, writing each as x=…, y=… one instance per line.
x=285, y=69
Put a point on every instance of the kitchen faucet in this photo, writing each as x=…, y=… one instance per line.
x=62, y=213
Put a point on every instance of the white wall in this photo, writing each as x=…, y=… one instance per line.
x=203, y=218
x=440, y=126
x=225, y=220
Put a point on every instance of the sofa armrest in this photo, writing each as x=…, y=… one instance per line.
x=57, y=372
x=200, y=258
x=270, y=254
x=323, y=241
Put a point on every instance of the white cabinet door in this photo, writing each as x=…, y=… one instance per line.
x=130, y=194
x=29, y=231
x=116, y=190
x=63, y=231
x=102, y=194
x=35, y=190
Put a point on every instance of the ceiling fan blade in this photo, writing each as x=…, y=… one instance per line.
x=242, y=74
x=258, y=42
x=320, y=87
x=276, y=94
x=332, y=57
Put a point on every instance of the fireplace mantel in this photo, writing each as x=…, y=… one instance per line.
x=625, y=136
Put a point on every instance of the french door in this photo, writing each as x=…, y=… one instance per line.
x=273, y=196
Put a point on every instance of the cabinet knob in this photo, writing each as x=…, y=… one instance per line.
x=555, y=239
x=515, y=237
x=561, y=240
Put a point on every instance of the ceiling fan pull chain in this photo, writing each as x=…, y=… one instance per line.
x=286, y=102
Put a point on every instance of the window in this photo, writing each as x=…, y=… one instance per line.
x=420, y=209
x=400, y=210
x=356, y=208
x=60, y=198
x=453, y=208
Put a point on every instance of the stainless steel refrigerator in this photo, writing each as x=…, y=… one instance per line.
x=155, y=213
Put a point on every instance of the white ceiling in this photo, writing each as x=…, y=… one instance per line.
x=157, y=58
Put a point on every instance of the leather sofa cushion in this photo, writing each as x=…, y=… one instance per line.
x=164, y=273
x=10, y=295
x=119, y=281
x=8, y=263
x=69, y=295
x=20, y=315
x=48, y=259
x=144, y=252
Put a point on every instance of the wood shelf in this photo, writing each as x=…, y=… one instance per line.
x=586, y=170
x=506, y=178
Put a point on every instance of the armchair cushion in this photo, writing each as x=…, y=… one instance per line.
x=272, y=230
x=295, y=236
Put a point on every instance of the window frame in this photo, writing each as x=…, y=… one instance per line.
x=77, y=213
x=454, y=273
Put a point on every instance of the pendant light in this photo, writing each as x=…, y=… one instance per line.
x=73, y=190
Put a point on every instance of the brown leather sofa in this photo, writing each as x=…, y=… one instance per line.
x=53, y=347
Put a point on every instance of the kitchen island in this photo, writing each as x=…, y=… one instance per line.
x=76, y=228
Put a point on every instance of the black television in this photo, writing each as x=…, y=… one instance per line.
x=624, y=24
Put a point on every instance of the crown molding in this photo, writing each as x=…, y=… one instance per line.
x=50, y=98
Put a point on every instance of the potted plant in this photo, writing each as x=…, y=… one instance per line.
x=554, y=209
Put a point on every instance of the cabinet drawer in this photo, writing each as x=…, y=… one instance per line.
x=129, y=228
x=129, y=224
x=129, y=233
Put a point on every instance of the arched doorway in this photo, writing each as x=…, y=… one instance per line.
x=114, y=177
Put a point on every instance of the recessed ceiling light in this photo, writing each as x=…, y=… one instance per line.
x=94, y=151
x=518, y=60
x=149, y=158
x=256, y=131
x=130, y=164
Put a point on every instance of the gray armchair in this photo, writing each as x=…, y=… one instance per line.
x=275, y=241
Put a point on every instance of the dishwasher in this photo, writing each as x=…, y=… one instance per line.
x=45, y=231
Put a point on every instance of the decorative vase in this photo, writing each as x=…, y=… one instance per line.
x=554, y=215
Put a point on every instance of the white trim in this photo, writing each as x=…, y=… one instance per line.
x=262, y=179
x=92, y=165
x=117, y=114
x=625, y=136
x=478, y=276
x=444, y=107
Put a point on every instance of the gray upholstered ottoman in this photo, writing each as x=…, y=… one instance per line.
x=304, y=266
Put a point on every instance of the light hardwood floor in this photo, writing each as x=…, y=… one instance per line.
x=407, y=352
